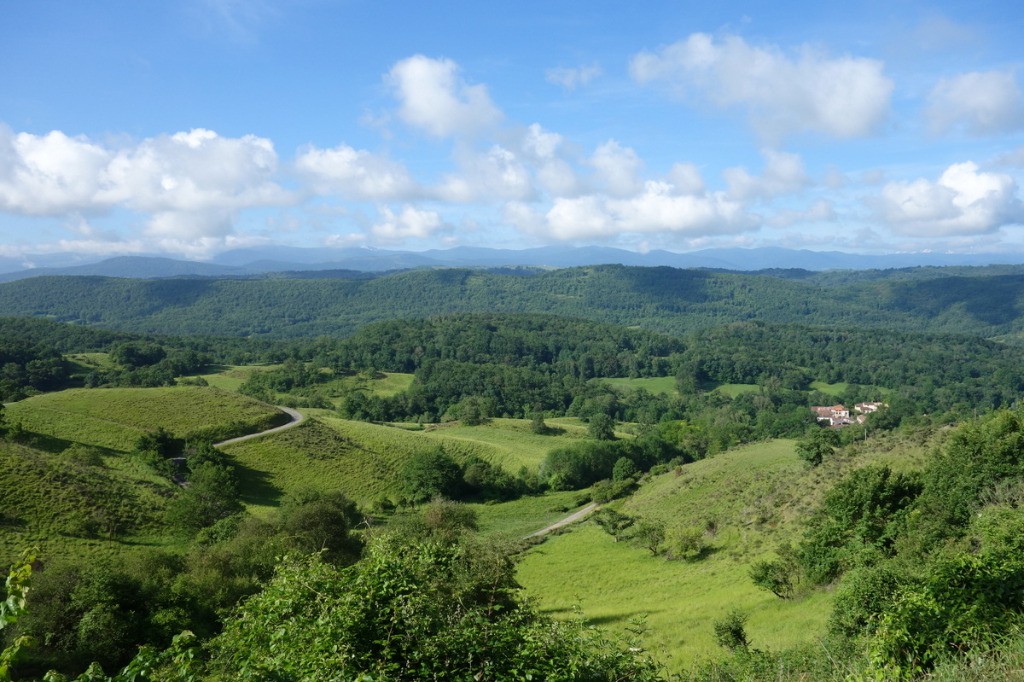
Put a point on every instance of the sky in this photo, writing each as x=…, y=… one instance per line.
x=193, y=127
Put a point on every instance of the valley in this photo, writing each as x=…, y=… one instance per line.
x=718, y=495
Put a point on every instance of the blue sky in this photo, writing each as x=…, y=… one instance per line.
x=192, y=127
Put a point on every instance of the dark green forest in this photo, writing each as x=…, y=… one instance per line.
x=980, y=301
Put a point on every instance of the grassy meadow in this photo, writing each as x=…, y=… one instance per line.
x=747, y=502
x=366, y=460
x=656, y=385
x=115, y=418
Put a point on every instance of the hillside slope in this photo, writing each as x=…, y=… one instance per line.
x=661, y=299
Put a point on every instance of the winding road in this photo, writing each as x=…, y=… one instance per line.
x=297, y=418
x=571, y=518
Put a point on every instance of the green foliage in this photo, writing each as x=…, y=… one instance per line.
x=12, y=608
x=977, y=457
x=730, y=631
x=685, y=542
x=431, y=474
x=962, y=603
x=817, y=445
x=315, y=521
x=775, y=576
x=859, y=522
x=624, y=468
x=601, y=427
x=416, y=612
x=650, y=535
x=211, y=495
x=614, y=523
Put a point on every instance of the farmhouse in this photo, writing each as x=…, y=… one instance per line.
x=835, y=415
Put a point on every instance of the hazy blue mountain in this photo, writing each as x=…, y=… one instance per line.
x=137, y=267
x=283, y=259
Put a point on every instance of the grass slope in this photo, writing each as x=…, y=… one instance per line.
x=752, y=499
x=114, y=418
x=366, y=460
x=63, y=506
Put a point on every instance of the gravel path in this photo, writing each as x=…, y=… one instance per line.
x=297, y=418
x=571, y=518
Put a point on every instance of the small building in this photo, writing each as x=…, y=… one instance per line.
x=835, y=415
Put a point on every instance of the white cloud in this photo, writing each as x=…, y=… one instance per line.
x=190, y=184
x=844, y=96
x=50, y=174
x=553, y=173
x=616, y=168
x=496, y=174
x=571, y=78
x=433, y=98
x=197, y=171
x=685, y=177
x=410, y=223
x=783, y=173
x=356, y=173
x=982, y=103
x=658, y=208
x=964, y=201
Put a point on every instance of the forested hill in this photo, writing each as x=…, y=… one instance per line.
x=983, y=302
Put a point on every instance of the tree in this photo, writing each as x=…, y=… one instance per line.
x=430, y=474
x=818, y=444
x=774, y=576
x=601, y=427
x=614, y=523
x=650, y=534
x=315, y=521
x=624, y=468
x=537, y=424
x=212, y=494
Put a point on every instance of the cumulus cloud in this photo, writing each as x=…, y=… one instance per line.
x=190, y=184
x=355, y=173
x=657, y=208
x=783, y=173
x=553, y=173
x=410, y=223
x=964, y=201
x=616, y=168
x=495, y=174
x=433, y=97
x=981, y=103
x=571, y=78
x=810, y=91
x=50, y=174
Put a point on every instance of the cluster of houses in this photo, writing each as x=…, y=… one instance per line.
x=838, y=416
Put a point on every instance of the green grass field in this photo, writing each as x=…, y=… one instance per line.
x=747, y=501
x=519, y=518
x=365, y=460
x=614, y=583
x=733, y=390
x=508, y=443
x=655, y=385
x=115, y=418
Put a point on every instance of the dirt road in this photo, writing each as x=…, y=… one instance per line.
x=297, y=418
x=571, y=518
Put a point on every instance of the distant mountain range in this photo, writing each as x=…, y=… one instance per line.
x=347, y=262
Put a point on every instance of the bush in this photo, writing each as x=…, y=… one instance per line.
x=730, y=632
